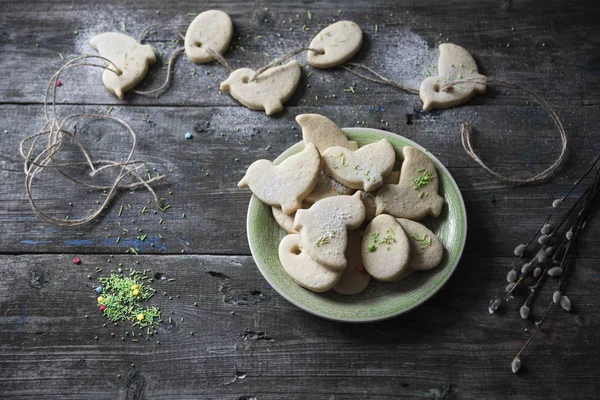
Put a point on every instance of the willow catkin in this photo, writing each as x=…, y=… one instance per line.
x=546, y=229
x=544, y=239
x=526, y=268
x=524, y=311
x=556, y=296
x=555, y=271
x=516, y=364
x=565, y=303
x=519, y=250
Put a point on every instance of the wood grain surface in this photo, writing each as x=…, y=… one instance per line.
x=242, y=340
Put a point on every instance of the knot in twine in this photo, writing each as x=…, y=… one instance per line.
x=55, y=133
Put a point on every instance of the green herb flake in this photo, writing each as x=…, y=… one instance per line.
x=389, y=239
x=422, y=180
x=425, y=241
x=323, y=240
x=326, y=239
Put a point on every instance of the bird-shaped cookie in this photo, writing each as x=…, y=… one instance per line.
x=455, y=63
x=361, y=169
x=266, y=92
x=324, y=228
x=416, y=194
x=323, y=132
x=286, y=184
x=130, y=58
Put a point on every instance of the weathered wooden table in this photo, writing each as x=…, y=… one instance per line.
x=248, y=342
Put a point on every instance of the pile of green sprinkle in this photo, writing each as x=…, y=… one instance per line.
x=120, y=298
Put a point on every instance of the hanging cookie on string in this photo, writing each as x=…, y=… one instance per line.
x=458, y=81
x=269, y=87
x=129, y=61
x=335, y=44
x=455, y=63
x=209, y=33
x=207, y=38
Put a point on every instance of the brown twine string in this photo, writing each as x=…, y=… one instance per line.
x=465, y=132
x=380, y=79
x=219, y=57
x=465, y=129
x=55, y=133
x=221, y=60
x=283, y=58
x=174, y=54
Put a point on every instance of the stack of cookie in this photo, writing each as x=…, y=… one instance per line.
x=348, y=215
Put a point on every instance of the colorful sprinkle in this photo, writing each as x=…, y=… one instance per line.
x=77, y=261
x=189, y=135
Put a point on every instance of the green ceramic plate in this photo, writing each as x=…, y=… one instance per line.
x=380, y=300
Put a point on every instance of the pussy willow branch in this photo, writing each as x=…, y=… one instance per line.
x=502, y=294
x=570, y=254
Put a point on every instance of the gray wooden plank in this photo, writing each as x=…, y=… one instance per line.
x=447, y=348
x=542, y=53
x=215, y=209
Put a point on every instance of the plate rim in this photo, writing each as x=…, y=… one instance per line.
x=463, y=239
